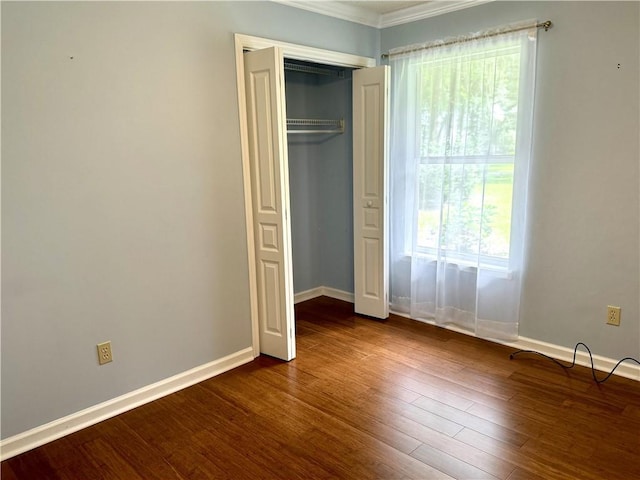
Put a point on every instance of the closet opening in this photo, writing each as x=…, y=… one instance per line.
x=335, y=202
x=320, y=151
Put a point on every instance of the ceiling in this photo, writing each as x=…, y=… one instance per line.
x=382, y=14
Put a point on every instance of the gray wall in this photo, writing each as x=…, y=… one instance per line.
x=336, y=189
x=584, y=191
x=321, y=182
x=304, y=183
x=122, y=200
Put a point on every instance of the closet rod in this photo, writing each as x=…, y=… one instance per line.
x=312, y=122
x=337, y=130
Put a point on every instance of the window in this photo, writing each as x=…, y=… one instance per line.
x=468, y=111
x=461, y=128
x=463, y=117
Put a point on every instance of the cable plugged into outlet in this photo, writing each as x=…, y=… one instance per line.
x=104, y=353
x=613, y=315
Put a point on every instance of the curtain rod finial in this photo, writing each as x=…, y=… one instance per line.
x=547, y=25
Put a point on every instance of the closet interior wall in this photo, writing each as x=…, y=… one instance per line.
x=321, y=183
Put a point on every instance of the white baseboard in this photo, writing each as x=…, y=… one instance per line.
x=600, y=363
x=35, y=437
x=323, y=291
x=308, y=295
x=337, y=294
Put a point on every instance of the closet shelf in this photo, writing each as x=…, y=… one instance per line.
x=296, y=67
x=338, y=125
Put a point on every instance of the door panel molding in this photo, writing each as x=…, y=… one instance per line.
x=370, y=191
x=269, y=167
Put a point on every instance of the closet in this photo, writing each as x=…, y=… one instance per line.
x=320, y=152
x=328, y=222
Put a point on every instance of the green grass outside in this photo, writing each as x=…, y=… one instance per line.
x=498, y=193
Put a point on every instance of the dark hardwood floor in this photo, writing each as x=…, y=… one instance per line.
x=366, y=399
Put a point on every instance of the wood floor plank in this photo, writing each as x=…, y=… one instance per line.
x=160, y=427
x=631, y=412
x=598, y=459
x=518, y=416
x=449, y=464
x=426, y=389
x=33, y=464
x=360, y=413
x=364, y=399
x=256, y=438
x=6, y=472
x=191, y=464
x=556, y=415
x=445, y=383
x=57, y=453
x=521, y=474
x=553, y=461
x=455, y=448
x=254, y=443
x=471, y=421
x=314, y=427
x=531, y=464
x=109, y=462
x=126, y=444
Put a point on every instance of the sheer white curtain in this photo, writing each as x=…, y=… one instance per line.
x=460, y=144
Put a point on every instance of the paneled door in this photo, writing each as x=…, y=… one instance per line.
x=370, y=191
x=266, y=119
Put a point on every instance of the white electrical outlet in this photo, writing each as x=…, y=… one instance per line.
x=104, y=353
x=613, y=315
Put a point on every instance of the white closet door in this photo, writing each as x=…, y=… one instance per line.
x=370, y=199
x=264, y=83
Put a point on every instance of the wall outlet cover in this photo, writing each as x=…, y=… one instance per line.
x=613, y=315
x=104, y=353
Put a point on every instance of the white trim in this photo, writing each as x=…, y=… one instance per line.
x=339, y=10
x=301, y=52
x=338, y=294
x=35, y=437
x=426, y=10
x=248, y=211
x=308, y=294
x=289, y=50
x=600, y=363
x=324, y=291
x=364, y=16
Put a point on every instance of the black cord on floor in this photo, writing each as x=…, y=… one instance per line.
x=573, y=364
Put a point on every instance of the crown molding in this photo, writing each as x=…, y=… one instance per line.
x=427, y=10
x=364, y=16
x=338, y=10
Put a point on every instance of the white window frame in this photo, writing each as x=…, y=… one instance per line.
x=487, y=262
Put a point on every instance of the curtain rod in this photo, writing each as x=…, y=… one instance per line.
x=546, y=25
